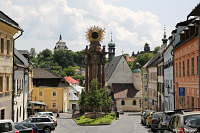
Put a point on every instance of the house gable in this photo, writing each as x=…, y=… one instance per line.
x=122, y=73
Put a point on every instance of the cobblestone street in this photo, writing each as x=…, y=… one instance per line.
x=128, y=123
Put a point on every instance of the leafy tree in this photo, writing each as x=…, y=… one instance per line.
x=142, y=59
x=156, y=49
x=95, y=97
x=64, y=58
x=69, y=71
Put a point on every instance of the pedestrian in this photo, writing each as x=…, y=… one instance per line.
x=57, y=115
x=117, y=115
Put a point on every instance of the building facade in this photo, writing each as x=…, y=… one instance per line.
x=119, y=79
x=50, y=89
x=21, y=80
x=8, y=28
x=185, y=66
x=168, y=79
x=144, y=90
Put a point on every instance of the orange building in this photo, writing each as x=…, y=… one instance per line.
x=185, y=66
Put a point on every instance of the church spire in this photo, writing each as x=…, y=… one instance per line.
x=111, y=48
x=164, y=40
x=111, y=36
x=60, y=37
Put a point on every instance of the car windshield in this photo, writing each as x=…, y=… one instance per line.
x=167, y=117
x=192, y=120
x=51, y=114
x=157, y=115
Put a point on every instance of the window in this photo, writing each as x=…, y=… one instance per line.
x=145, y=76
x=1, y=84
x=8, y=47
x=2, y=45
x=179, y=69
x=192, y=100
x=188, y=67
x=7, y=83
x=176, y=69
x=6, y=127
x=145, y=87
x=192, y=65
x=188, y=101
x=146, y=99
x=40, y=93
x=122, y=102
x=134, y=102
x=197, y=65
x=54, y=105
x=20, y=111
x=2, y=114
x=183, y=68
x=54, y=93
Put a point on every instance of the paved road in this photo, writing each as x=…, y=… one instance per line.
x=128, y=123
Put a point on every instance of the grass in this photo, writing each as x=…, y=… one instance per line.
x=107, y=119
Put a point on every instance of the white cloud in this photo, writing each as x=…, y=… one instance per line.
x=43, y=20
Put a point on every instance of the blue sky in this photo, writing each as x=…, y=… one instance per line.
x=133, y=22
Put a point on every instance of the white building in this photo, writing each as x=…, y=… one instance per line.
x=75, y=91
x=21, y=78
x=168, y=78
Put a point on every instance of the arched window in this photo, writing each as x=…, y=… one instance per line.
x=122, y=102
x=134, y=102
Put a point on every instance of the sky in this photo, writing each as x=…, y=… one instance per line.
x=132, y=22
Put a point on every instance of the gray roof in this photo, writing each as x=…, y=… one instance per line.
x=40, y=73
x=24, y=52
x=154, y=60
x=19, y=59
x=7, y=20
x=110, y=67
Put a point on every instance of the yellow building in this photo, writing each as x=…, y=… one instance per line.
x=8, y=28
x=50, y=89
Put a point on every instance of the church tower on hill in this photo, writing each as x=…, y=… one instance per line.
x=61, y=45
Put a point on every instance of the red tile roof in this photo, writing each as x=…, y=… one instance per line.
x=71, y=80
x=124, y=90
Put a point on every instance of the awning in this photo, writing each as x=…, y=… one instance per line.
x=37, y=103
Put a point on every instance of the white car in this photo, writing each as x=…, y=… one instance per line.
x=7, y=126
x=50, y=114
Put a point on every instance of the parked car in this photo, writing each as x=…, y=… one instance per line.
x=7, y=126
x=148, y=119
x=155, y=120
x=43, y=123
x=165, y=119
x=144, y=116
x=185, y=122
x=50, y=114
x=23, y=129
x=28, y=125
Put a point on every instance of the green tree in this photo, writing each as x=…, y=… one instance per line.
x=142, y=59
x=69, y=71
x=63, y=58
x=156, y=49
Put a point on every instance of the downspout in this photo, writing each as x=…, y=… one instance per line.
x=13, y=83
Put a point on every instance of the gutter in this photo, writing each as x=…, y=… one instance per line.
x=13, y=79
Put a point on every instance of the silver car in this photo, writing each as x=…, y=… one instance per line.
x=43, y=123
x=7, y=126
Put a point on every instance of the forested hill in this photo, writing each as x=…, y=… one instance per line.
x=62, y=62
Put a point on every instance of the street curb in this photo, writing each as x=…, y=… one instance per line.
x=95, y=124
